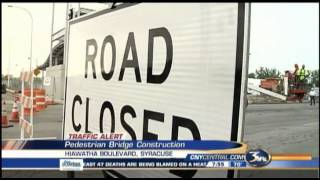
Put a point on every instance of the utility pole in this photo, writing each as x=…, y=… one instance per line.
x=9, y=65
x=30, y=58
x=52, y=23
x=79, y=10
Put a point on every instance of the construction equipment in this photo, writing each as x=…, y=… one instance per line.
x=267, y=92
x=287, y=88
x=296, y=89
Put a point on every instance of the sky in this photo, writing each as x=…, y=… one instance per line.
x=284, y=34
x=16, y=28
x=281, y=34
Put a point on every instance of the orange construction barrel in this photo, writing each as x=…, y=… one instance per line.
x=40, y=99
x=27, y=92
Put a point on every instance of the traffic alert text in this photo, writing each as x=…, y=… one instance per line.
x=95, y=136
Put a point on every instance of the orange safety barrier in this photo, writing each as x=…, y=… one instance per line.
x=26, y=126
x=4, y=119
x=40, y=99
x=15, y=111
x=27, y=110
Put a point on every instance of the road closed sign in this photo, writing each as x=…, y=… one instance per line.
x=158, y=71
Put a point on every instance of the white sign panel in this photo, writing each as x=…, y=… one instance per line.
x=158, y=71
x=47, y=81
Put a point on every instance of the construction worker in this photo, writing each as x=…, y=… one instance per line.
x=312, y=95
x=70, y=14
x=303, y=73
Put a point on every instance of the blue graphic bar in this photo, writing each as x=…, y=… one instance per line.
x=238, y=164
x=12, y=163
x=29, y=163
x=125, y=144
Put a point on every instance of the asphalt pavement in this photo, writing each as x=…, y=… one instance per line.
x=282, y=128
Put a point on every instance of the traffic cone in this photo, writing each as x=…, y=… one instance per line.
x=15, y=113
x=4, y=120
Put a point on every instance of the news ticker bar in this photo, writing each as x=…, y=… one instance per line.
x=57, y=164
x=87, y=154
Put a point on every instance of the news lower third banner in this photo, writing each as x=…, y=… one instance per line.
x=122, y=154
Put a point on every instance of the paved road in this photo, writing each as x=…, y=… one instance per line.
x=278, y=128
x=47, y=123
x=282, y=128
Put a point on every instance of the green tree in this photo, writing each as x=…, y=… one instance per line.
x=264, y=72
x=251, y=75
x=314, y=75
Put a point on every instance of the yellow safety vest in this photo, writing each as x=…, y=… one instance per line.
x=303, y=73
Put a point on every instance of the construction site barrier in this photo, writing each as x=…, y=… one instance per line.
x=12, y=91
x=26, y=100
x=15, y=111
x=26, y=126
x=4, y=119
x=40, y=99
x=26, y=76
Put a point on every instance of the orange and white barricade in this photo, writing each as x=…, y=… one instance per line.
x=15, y=112
x=26, y=101
x=26, y=76
x=26, y=126
x=4, y=119
x=28, y=104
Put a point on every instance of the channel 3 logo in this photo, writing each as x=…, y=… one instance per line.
x=71, y=164
x=258, y=158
